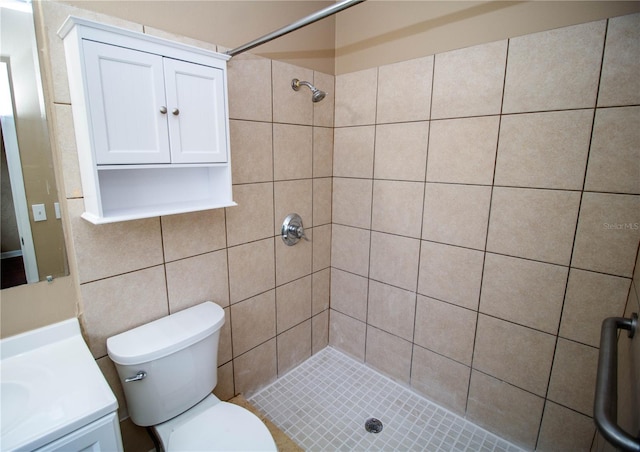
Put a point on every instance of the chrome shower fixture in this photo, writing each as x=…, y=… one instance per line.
x=316, y=94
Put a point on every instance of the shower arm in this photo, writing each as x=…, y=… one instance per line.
x=318, y=15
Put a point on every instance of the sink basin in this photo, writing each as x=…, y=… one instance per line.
x=50, y=386
x=14, y=405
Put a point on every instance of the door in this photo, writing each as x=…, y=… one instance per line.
x=196, y=104
x=126, y=105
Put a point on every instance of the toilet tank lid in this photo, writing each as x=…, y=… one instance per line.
x=167, y=335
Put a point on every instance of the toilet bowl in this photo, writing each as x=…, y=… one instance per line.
x=168, y=369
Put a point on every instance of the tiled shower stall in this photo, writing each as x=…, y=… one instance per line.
x=470, y=214
x=485, y=221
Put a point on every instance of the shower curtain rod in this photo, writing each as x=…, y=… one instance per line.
x=318, y=15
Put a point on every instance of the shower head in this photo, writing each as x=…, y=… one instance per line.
x=316, y=94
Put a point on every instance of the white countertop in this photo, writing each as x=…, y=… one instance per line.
x=50, y=386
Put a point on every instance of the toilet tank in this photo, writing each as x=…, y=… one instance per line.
x=178, y=355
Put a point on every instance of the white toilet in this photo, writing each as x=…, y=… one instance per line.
x=168, y=369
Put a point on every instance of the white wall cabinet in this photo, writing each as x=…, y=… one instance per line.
x=151, y=122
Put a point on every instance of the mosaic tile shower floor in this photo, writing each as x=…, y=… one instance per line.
x=323, y=405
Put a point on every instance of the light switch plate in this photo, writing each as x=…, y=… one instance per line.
x=39, y=213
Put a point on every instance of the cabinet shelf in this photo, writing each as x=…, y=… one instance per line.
x=130, y=192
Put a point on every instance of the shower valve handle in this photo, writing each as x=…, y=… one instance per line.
x=298, y=232
x=292, y=230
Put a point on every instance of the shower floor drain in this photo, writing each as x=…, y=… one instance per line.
x=373, y=425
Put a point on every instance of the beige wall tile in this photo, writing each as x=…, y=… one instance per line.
x=53, y=16
x=293, y=303
x=544, y=150
x=526, y=292
x=251, y=145
x=446, y=329
x=256, y=369
x=321, y=247
x=468, y=82
x=294, y=346
x=573, y=379
x=322, y=193
x=114, y=248
x=225, y=346
x=356, y=98
x=319, y=331
x=251, y=269
x=224, y=390
x=292, y=152
x=456, y=214
x=608, y=233
x=591, y=297
x=114, y=305
x=350, y=249
x=619, y=82
x=404, y=91
x=352, y=202
x=294, y=196
x=353, y=151
x=67, y=150
x=197, y=279
x=440, y=379
x=249, y=88
x=535, y=224
x=394, y=260
x=293, y=262
x=322, y=152
x=505, y=410
x=401, y=151
x=323, y=111
x=349, y=294
x=614, y=160
x=320, y=290
x=554, y=70
x=347, y=334
x=451, y=274
x=463, y=150
x=391, y=309
x=193, y=233
x=564, y=429
x=289, y=106
x=252, y=218
x=253, y=322
x=513, y=353
x=389, y=354
x=397, y=207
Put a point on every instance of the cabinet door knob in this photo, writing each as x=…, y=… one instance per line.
x=163, y=110
x=175, y=111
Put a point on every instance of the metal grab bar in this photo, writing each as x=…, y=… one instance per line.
x=605, y=408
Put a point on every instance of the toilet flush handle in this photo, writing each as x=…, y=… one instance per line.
x=137, y=377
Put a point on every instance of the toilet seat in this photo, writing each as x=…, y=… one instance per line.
x=215, y=426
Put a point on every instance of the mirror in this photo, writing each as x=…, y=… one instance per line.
x=32, y=239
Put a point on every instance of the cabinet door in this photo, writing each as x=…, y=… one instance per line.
x=196, y=103
x=126, y=104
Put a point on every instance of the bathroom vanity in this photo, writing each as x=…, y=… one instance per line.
x=53, y=395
